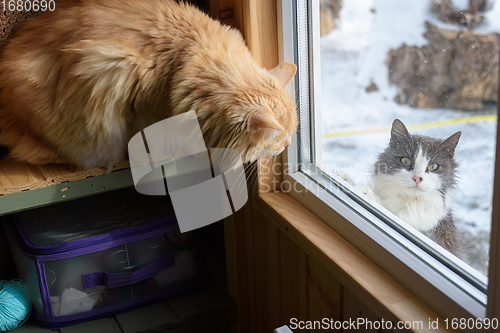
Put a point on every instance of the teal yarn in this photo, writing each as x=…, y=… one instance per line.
x=15, y=304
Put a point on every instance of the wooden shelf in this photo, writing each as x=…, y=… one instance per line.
x=25, y=186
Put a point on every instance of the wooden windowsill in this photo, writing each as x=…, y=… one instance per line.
x=386, y=297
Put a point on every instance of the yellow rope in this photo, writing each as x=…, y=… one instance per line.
x=471, y=119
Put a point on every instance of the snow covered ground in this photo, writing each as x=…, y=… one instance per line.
x=352, y=57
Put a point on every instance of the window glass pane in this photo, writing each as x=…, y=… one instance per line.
x=435, y=69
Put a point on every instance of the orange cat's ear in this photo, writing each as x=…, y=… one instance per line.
x=284, y=72
x=265, y=120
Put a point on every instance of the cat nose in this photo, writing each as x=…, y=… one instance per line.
x=288, y=142
x=417, y=179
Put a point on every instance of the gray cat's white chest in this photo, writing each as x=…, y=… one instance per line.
x=423, y=212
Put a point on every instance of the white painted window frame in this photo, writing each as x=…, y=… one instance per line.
x=437, y=284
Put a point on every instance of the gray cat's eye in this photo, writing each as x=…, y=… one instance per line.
x=406, y=161
x=433, y=167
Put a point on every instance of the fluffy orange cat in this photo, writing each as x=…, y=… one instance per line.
x=77, y=83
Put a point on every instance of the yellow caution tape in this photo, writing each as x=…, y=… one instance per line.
x=471, y=119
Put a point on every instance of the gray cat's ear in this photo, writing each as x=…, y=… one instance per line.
x=451, y=143
x=399, y=133
x=284, y=72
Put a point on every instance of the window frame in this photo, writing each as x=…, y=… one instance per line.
x=330, y=199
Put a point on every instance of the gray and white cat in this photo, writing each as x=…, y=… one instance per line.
x=414, y=178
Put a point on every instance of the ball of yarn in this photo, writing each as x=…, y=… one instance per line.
x=15, y=304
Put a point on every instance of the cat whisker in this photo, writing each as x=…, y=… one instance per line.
x=252, y=174
x=247, y=170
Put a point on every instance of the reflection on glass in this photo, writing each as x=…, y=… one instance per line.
x=437, y=71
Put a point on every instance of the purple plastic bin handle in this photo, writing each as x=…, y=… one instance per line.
x=113, y=280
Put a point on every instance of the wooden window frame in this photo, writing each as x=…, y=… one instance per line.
x=341, y=222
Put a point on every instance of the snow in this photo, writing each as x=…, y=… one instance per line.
x=353, y=56
x=461, y=4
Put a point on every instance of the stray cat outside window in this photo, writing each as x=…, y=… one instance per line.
x=408, y=114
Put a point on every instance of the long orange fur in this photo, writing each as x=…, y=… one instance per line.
x=77, y=83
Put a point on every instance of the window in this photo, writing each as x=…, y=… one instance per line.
x=352, y=82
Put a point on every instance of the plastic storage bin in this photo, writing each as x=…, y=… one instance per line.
x=100, y=256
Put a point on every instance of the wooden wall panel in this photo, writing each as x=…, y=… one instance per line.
x=267, y=274
x=270, y=176
x=224, y=11
x=240, y=263
x=354, y=309
x=260, y=30
x=325, y=295
x=283, y=281
x=249, y=235
x=268, y=33
x=294, y=281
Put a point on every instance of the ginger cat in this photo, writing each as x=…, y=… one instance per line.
x=77, y=83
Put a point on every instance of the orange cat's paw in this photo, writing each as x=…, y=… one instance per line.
x=110, y=167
